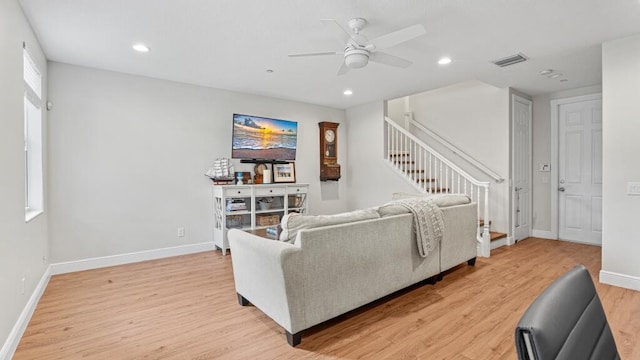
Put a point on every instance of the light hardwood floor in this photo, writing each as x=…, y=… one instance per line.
x=186, y=308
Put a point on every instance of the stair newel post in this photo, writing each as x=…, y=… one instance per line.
x=440, y=177
x=412, y=158
x=431, y=164
x=448, y=179
x=485, y=245
x=392, y=140
x=403, y=145
x=395, y=145
x=389, y=141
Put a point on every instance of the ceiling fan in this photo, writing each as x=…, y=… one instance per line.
x=359, y=51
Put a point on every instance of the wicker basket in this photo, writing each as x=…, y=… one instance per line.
x=267, y=220
x=296, y=201
x=234, y=221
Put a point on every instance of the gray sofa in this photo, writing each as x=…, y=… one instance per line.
x=329, y=270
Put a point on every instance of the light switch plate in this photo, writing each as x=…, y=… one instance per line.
x=633, y=188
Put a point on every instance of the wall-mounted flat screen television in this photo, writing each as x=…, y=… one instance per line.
x=260, y=138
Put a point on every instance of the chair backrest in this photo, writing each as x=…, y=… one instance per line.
x=566, y=321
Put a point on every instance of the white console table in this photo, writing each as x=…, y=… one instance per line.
x=251, y=207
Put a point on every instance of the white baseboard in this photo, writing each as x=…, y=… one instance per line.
x=11, y=344
x=621, y=280
x=113, y=260
x=544, y=234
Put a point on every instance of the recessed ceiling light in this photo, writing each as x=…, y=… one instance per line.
x=546, y=72
x=141, y=48
x=444, y=61
x=348, y=92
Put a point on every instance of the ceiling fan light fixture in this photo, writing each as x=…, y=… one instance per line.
x=359, y=50
x=356, y=58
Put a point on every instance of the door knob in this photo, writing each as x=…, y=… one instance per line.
x=561, y=189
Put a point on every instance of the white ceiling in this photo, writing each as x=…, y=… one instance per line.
x=230, y=44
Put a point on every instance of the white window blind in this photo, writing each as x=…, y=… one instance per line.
x=34, y=182
x=32, y=79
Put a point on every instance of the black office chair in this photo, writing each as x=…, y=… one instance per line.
x=566, y=321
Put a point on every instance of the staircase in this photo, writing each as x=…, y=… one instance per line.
x=430, y=172
x=493, y=235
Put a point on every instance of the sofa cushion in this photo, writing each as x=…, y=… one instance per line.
x=294, y=222
x=441, y=200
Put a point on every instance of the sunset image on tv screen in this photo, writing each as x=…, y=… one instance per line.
x=257, y=137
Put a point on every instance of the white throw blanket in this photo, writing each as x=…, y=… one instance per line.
x=428, y=222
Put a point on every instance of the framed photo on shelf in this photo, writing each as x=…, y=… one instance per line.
x=284, y=173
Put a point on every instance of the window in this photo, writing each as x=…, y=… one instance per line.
x=34, y=187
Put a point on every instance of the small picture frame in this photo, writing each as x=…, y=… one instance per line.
x=284, y=173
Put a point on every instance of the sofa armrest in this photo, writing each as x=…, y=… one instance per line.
x=459, y=242
x=268, y=274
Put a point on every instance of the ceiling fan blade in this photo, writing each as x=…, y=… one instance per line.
x=398, y=37
x=343, y=69
x=387, y=59
x=343, y=35
x=320, y=53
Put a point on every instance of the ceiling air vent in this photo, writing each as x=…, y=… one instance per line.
x=510, y=60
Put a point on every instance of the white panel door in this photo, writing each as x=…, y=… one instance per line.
x=580, y=172
x=521, y=167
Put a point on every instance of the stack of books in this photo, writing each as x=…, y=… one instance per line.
x=236, y=205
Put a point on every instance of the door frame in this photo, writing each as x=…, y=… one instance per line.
x=512, y=195
x=555, y=161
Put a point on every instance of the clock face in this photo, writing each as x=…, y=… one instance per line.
x=329, y=135
x=259, y=168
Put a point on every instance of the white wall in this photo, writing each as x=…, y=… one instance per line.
x=22, y=245
x=474, y=117
x=371, y=180
x=542, y=154
x=128, y=156
x=395, y=110
x=621, y=129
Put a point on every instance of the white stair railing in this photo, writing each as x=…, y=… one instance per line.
x=455, y=150
x=430, y=172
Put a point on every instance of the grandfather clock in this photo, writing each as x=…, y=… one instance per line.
x=329, y=167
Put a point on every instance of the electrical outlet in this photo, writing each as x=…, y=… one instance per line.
x=181, y=231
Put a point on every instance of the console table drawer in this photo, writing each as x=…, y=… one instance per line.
x=237, y=192
x=270, y=192
x=297, y=190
